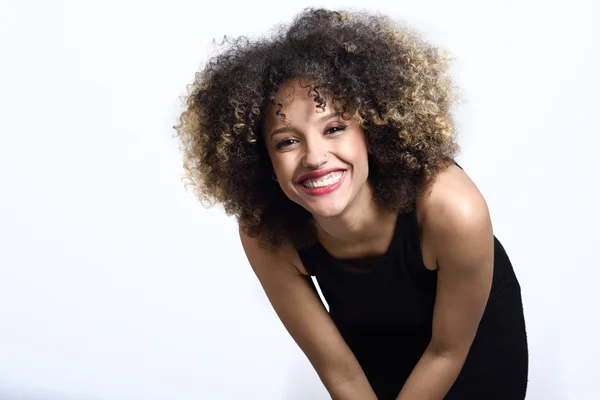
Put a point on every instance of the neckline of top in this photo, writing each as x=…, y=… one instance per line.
x=338, y=263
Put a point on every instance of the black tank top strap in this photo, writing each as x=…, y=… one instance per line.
x=413, y=255
x=309, y=258
x=415, y=266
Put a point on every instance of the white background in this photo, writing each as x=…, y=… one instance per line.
x=115, y=283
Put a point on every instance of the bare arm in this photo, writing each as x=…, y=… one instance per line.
x=460, y=233
x=298, y=306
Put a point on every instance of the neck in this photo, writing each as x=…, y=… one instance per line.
x=362, y=220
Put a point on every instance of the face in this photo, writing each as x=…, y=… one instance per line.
x=320, y=159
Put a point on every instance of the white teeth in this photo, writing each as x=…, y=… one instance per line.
x=326, y=180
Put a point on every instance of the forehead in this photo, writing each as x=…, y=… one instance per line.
x=297, y=103
x=291, y=89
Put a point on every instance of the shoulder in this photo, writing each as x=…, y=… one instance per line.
x=285, y=254
x=452, y=202
x=454, y=214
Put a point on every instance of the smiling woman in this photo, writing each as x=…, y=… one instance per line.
x=333, y=144
x=331, y=149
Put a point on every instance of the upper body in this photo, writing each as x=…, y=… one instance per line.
x=324, y=135
x=456, y=237
x=456, y=241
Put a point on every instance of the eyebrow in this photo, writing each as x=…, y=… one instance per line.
x=293, y=129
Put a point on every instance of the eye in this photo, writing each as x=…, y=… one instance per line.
x=334, y=129
x=285, y=143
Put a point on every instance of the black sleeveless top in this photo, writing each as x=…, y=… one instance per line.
x=384, y=312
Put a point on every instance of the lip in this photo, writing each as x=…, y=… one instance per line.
x=320, y=191
x=318, y=174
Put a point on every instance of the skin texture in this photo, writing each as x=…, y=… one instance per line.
x=297, y=304
x=457, y=240
x=313, y=140
x=316, y=140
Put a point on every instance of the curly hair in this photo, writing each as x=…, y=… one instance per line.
x=370, y=67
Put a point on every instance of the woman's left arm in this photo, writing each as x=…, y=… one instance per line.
x=457, y=225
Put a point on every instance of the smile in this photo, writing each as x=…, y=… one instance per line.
x=324, y=184
x=323, y=181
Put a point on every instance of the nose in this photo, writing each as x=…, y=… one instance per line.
x=316, y=154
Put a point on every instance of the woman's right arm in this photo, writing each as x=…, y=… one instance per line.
x=297, y=304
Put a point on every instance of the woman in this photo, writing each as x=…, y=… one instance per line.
x=332, y=142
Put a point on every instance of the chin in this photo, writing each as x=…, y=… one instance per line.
x=325, y=213
x=326, y=206
x=332, y=209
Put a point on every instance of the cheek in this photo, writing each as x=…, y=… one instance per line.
x=275, y=158
x=360, y=160
x=357, y=151
x=283, y=166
